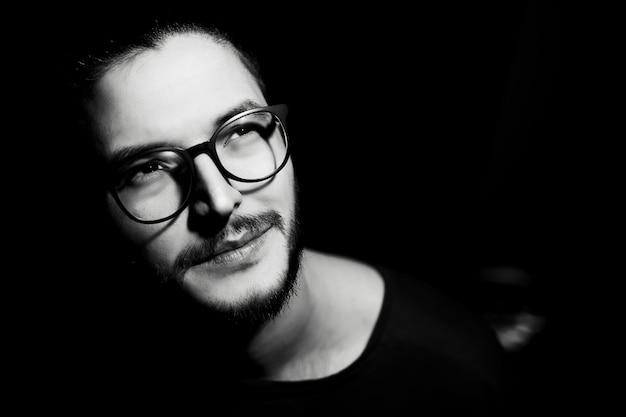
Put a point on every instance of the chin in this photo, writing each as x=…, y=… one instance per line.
x=252, y=295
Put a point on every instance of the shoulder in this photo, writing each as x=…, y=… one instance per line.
x=430, y=308
x=425, y=318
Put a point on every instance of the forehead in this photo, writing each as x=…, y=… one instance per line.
x=172, y=91
x=179, y=56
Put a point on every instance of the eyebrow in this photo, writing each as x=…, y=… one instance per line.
x=121, y=154
x=240, y=108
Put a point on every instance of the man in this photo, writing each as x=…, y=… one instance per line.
x=201, y=193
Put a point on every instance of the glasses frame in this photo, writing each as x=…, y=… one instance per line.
x=206, y=147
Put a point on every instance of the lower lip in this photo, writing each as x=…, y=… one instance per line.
x=240, y=256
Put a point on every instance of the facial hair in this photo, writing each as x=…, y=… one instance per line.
x=257, y=309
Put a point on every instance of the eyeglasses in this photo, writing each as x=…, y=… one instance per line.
x=157, y=184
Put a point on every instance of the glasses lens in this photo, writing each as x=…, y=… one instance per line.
x=155, y=185
x=252, y=147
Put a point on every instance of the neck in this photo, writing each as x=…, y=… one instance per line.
x=324, y=327
x=296, y=334
x=327, y=324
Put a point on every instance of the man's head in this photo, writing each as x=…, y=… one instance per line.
x=230, y=236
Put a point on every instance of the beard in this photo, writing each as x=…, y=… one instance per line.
x=257, y=309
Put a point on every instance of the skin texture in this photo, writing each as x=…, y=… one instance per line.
x=176, y=94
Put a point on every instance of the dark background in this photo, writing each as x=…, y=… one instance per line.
x=435, y=138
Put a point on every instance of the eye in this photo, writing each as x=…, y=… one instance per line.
x=239, y=132
x=145, y=173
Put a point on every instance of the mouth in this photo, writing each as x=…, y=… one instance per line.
x=238, y=249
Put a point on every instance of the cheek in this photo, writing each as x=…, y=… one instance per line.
x=130, y=231
x=281, y=193
x=152, y=241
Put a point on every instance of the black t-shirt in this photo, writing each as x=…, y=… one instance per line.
x=427, y=355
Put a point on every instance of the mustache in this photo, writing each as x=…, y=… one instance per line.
x=198, y=253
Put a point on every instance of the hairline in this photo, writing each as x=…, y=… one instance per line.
x=159, y=39
x=155, y=40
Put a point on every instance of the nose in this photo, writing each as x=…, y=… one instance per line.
x=215, y=196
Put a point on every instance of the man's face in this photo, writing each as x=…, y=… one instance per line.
x=177, y=95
